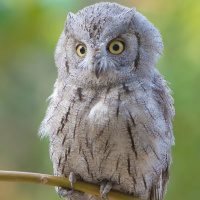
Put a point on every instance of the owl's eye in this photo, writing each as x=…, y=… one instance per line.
x=81, y=50
x=116, y=47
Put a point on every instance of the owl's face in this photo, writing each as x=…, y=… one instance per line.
x=104, y=55
x=106, y=41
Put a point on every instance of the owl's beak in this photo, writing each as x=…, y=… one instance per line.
x=97, y=69
x=103, y=65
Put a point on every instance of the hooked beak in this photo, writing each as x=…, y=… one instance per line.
x=98, y=69
x=104, y=65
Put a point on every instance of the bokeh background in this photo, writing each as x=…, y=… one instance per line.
x=29, y=30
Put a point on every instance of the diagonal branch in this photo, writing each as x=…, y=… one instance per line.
x=44, y=179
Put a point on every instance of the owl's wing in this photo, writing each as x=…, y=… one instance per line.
x=158, y=191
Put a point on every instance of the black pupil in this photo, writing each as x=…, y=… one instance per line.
x=82, y=50
x=115, y=47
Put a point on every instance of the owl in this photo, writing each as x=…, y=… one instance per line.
x=109, y=117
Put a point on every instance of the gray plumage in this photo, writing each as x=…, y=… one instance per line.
x=109, y=118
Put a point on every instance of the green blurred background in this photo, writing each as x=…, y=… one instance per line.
x=29, y=30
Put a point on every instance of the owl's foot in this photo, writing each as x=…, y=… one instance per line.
x=105, y=188
x=65, y=192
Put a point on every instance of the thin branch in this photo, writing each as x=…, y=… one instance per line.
x=44, y=179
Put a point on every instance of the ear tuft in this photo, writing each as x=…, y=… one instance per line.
x=70, y=17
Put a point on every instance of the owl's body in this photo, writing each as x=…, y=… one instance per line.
x=110, y=114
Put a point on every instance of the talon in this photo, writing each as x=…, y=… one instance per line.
x=62, y=192
x=105, y=188
x=65, y=192
x=72, y=179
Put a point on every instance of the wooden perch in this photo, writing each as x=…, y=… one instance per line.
x=44, y=179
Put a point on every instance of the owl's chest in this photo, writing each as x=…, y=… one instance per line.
x=91, y=121
x=107, y=136
x=97, y=125
x=102, y=121
x=96, y=117
x=95, y=139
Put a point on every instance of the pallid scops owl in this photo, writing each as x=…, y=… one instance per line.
x=109, y=117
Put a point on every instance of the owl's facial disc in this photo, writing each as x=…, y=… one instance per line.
x=106, y=57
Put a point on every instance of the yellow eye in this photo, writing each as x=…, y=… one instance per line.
x=116, y=47
x=81, y=50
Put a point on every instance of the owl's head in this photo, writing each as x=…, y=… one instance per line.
x=107, y=42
